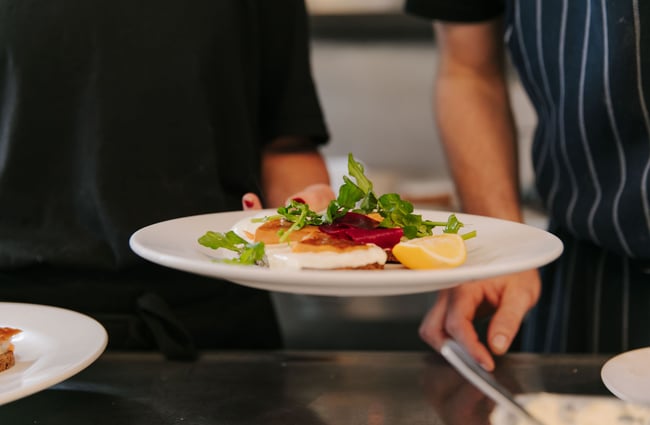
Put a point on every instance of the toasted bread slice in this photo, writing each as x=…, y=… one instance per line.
x=7, y=360
x=269, y=232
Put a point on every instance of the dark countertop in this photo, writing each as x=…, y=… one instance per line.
x=292, y=388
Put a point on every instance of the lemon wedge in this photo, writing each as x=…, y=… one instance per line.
x=432, y=252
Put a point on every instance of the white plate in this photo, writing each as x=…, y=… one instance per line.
x=627, y=375
x=54, y=345
x=500, y=247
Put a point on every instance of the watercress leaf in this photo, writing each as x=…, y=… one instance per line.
x=369, y=203
x=332, y=212
x=248, y=253
x=410, y=232
x=392, y=204
x=216, y=240
x=453, y=224
x=356, y=170
x=297, y=212
x=253, y=254
x=349, y=194
x=469, y=235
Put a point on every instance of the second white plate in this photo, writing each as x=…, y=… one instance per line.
x=500, y=247
x=54, y=345
x=627, y=375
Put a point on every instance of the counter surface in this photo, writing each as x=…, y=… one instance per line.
x=285, y=388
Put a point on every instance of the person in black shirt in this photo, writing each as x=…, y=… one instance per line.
x=118, y=114
x=586, y=67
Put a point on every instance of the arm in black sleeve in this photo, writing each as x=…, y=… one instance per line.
x=290, y=104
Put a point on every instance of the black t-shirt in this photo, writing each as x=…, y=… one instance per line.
x=116, y=114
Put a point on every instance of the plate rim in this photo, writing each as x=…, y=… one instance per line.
x=93, y=352
x=612, y=362
x=316, y=279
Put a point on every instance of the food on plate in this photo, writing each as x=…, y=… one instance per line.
x=323, y=247
x=359, y=230
x=317, y=250
x=270, y=231
x=324, y=252
x=568, y=409
x=7, y=358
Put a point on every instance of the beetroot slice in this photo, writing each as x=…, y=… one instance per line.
x=362, y=229
x=385, y=238
x=357, y=220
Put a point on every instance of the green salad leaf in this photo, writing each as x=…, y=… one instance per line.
x=355, y=195
x=297, y=213
x=249, y=253
x=358, y=196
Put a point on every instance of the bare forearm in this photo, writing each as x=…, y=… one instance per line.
x=479, y=139
x=477, y=129
x=286, y=172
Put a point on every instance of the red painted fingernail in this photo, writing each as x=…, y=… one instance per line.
x=302, y=201
x=248, y=203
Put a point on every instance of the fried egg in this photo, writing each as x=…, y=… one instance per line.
x=301, y=255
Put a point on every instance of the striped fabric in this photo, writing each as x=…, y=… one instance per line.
x=593, y=301
x=583, y=66
x=586, y=67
